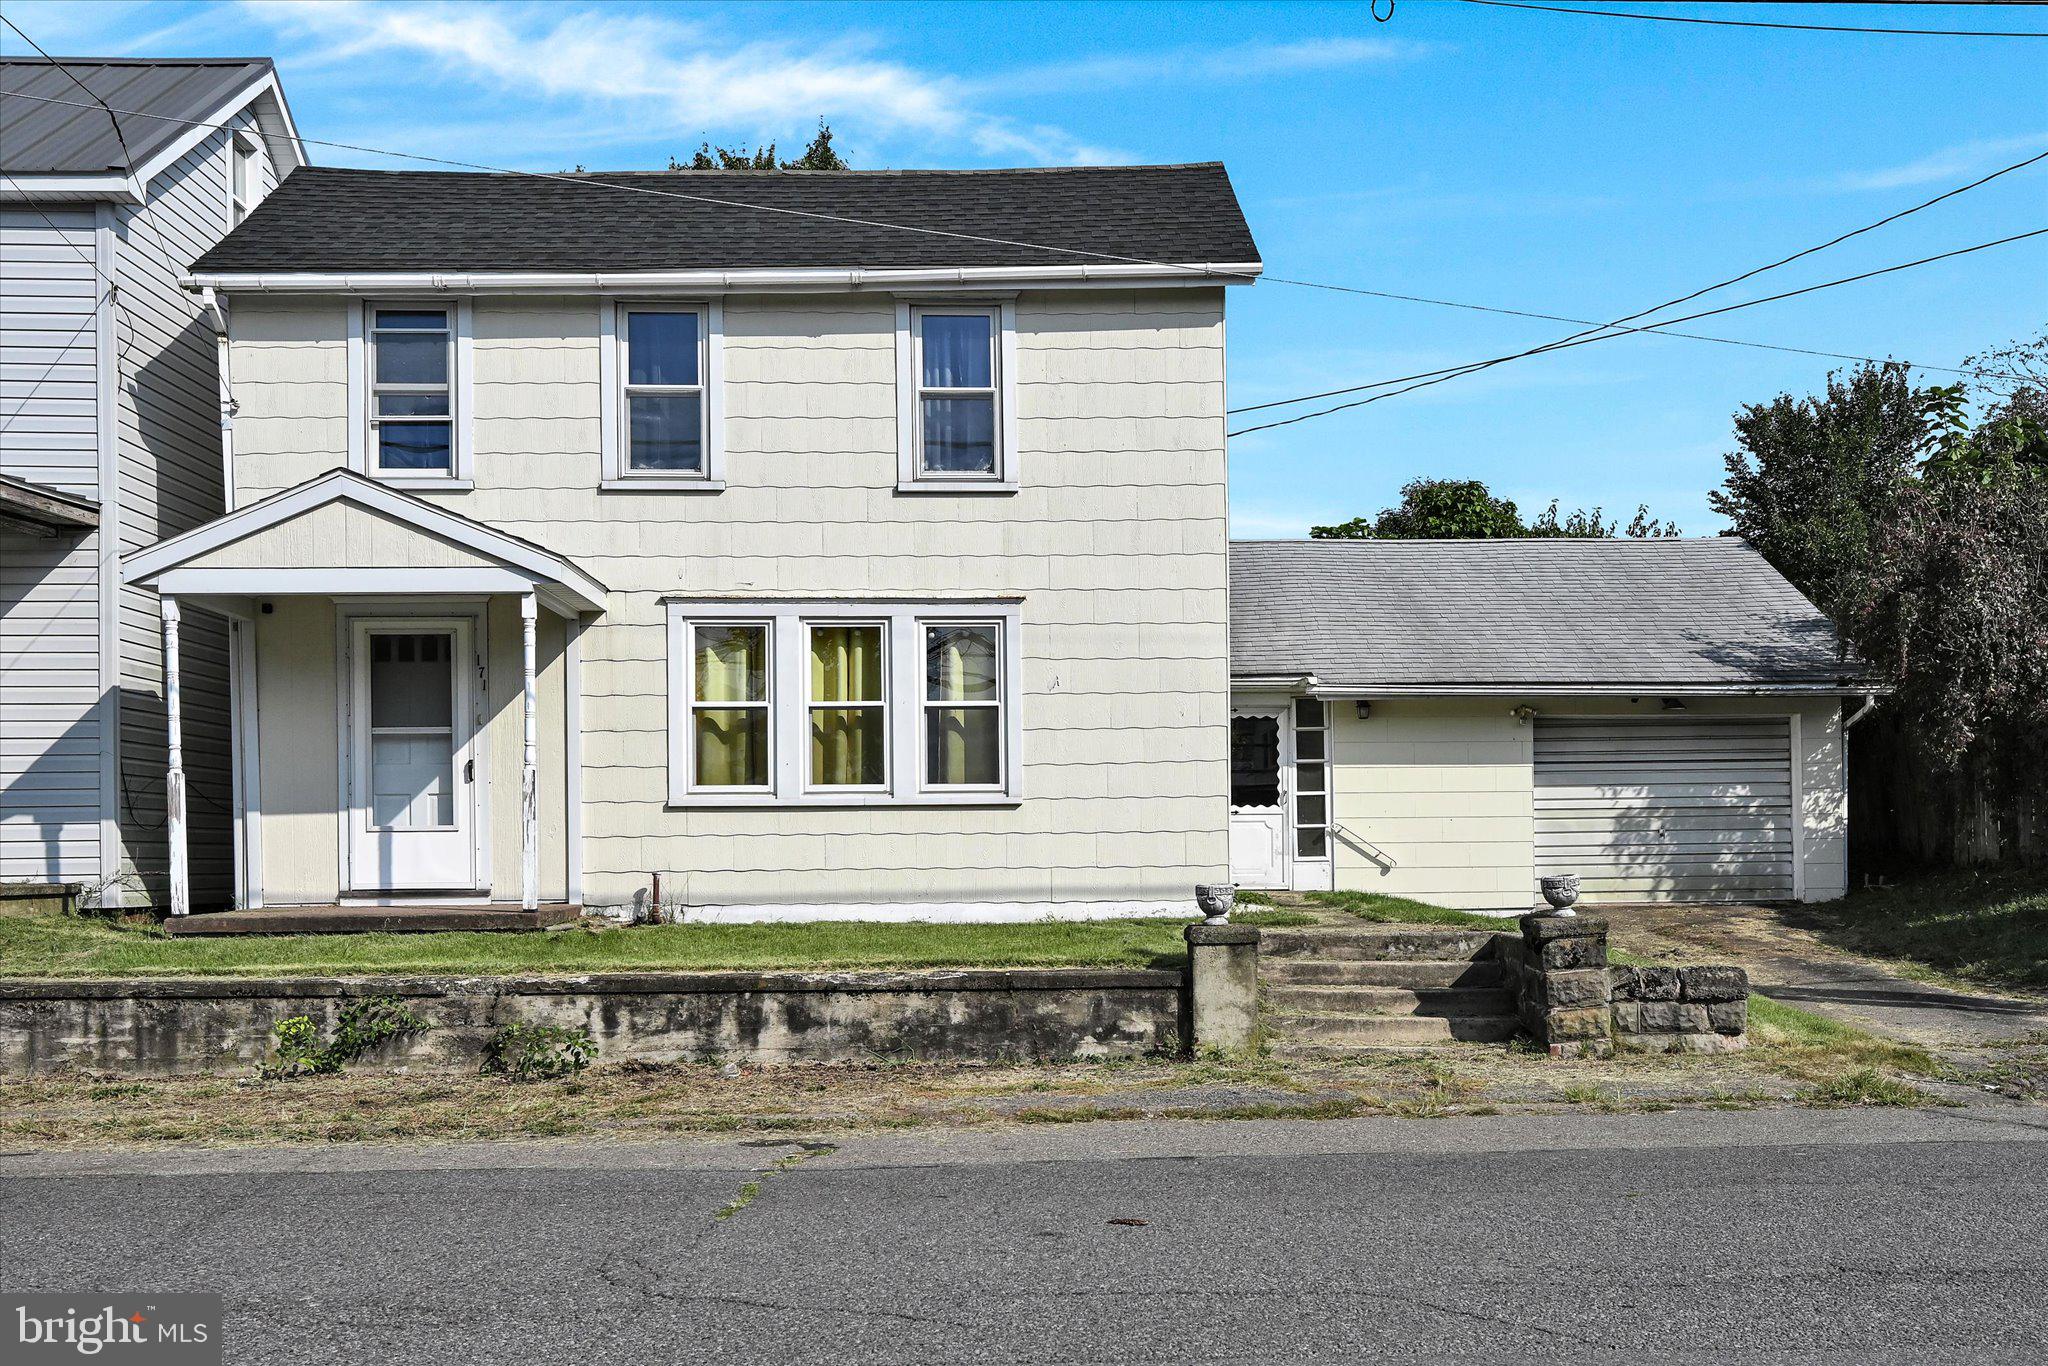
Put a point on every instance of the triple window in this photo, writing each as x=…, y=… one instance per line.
x=412, y=360
x=811, y=704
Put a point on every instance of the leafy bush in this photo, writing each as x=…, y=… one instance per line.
x=297, y=1050
x=536, y=1052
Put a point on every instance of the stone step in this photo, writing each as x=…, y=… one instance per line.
x=1366, y=972
x=1381, y=943
x=1445, y=1002
x=1389, y=1031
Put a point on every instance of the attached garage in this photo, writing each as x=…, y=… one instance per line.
x=1453, y=720
x=1699, y=809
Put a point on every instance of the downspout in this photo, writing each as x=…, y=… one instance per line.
x=1869, y=704
x=216, y=311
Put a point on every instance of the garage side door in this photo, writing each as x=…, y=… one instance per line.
x=1666, y=809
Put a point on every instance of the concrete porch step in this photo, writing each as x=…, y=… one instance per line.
x=1390, y=1031
x=416, y=919
x=1381, y=943
x=1365, y=972
x=1441, y=1002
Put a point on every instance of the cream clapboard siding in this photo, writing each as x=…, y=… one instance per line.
x=50, y=723
x=1116, y=539
x=1445, y=788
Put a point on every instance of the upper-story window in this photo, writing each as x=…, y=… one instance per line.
x=662, y=411
x=245, y=182
x=412, y=353
x=956, y=430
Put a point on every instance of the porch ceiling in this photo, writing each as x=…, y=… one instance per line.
x=341, y=535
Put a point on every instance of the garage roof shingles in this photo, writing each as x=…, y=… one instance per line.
x=1655, y=614
x=328, y=219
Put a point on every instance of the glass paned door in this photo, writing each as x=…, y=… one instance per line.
x=1258, y=810
x=412, y=818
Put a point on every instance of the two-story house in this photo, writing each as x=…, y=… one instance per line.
x=115, y=175
x=773, y=544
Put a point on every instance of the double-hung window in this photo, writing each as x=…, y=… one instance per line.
x=411, y=367
x=954, y=374
x=807, y=703
x=662, y=413
x=243, y=187
x=729, y=738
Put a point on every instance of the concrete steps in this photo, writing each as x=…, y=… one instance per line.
x=1331, y=990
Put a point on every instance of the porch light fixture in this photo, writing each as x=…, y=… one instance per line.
x=1364, y=710
x=1522, y=714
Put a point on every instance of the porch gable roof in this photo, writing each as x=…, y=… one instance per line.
x=414, y=547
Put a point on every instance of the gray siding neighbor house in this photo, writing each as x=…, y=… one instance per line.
x=115, y=175
x=1453, y=720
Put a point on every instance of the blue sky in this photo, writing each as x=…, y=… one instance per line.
x=1567, y=165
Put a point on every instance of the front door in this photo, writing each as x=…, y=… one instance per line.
x=412, y=814
x=1258, y=801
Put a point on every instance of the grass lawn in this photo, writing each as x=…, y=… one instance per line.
x=1989, y=927
x=71, y=946
x=1392, y=910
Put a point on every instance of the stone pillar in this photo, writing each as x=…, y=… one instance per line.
x=1560, y=979
x=1223, y=986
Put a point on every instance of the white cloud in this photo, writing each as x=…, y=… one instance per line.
x=1949, y=163
x=636, y=75
x=1245, y=61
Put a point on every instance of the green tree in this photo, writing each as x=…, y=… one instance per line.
x=1434, y=510
x=818, y=155
x=1465, y=509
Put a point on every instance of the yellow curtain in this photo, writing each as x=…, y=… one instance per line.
x=848, y=744
x=962, y=744
x=732, y=742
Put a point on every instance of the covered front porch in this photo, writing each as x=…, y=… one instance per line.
x=406, y=709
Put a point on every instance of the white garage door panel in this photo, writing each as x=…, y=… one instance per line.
x=1659, y=809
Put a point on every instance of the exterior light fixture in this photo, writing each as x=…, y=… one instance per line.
x=1522, y=714
x=1364, y=710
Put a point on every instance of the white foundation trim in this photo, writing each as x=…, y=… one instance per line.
x=944, y=912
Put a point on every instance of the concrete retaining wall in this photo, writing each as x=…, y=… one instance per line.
x=170, y=1027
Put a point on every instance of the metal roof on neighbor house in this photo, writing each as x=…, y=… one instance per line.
x=1657, y=614
x=334, y=219
x=61, y=139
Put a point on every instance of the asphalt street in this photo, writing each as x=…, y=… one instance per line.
x=1783, y=1235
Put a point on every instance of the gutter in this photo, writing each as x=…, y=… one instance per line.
x=822, y=278
x=216, y=313
x=1314, y=687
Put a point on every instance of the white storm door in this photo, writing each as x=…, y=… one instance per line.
x=412, y=817
x=1258, y=799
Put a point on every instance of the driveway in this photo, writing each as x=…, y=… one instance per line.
x=1789, y=962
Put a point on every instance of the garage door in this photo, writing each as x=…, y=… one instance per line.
x=1666, y=809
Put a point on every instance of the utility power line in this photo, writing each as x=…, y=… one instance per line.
x=1761, y=23
x=1428, y=378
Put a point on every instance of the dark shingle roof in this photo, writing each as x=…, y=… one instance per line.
x=333, y=219
x=1526, y=614
x=62, y=139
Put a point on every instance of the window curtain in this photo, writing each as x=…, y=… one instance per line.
x=962, y=744
x=848, y=743
x=732, y=742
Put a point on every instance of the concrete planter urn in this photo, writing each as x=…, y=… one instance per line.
x=1561, y=892
x=1215, y=899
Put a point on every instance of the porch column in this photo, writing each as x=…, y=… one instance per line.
x=529, y=765
x=174, y=779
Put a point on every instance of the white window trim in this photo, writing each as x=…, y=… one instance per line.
x=789, y=693
x=461, y=390
x=244, y=148
x=926, y=703
x=683, y=751
x=910, y=477
x=612, y=414
x=890, y=704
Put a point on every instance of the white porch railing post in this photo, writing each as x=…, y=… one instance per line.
x=529, y=766
x=174, y=778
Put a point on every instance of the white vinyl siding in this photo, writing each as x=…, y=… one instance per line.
x=51, y=728
x=1692, y=809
